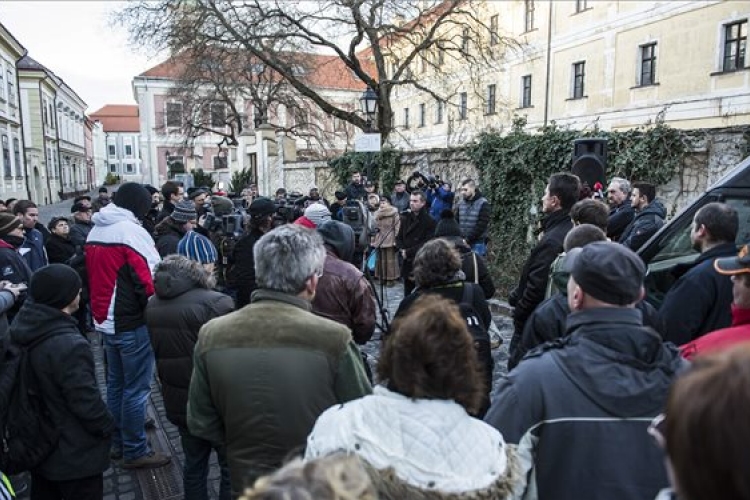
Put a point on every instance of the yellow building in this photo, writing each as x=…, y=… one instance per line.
x=614, y=63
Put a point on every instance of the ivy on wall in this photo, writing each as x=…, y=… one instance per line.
x=385, y=167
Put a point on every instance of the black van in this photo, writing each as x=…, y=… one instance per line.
x=671, y=245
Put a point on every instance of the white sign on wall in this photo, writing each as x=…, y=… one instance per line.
x=367, y=143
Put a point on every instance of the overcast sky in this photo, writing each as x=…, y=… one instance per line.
x=75, y=41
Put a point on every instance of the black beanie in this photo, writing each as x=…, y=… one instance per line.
x=447, y=226
x=134, y=197
x=55, y=285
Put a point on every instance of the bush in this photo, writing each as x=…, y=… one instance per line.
x=240, y=180
x=111, y=179
x=385, y=167
x=201, y=179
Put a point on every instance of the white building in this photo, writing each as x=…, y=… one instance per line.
x=13, y=183
x=121, y=127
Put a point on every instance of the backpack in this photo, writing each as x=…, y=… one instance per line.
x=28, y=434
x=481, y=337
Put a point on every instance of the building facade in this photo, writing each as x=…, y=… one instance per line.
x=616, y=64
x=14, y=175
x=121, y=126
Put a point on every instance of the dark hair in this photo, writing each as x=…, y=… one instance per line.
x=420, y=193
x=566, y=187
x=280, y=191
x=22, y=206
x=436, y=263
x=387, y=198
x=590, y=211
x=707, y=430
x=645, y=189
x=721, y=221
x=430, y=355
x=582, y=235
x=169, y=188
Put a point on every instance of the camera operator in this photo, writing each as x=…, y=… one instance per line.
x=440, y=197
x=313, y=197
x=241, y=273
x=223, y=238
x=416, y=182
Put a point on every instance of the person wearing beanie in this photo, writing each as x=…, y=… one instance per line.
x=315, y=214
x=472, y=264
x=173, y=227
x=197, y=247
x=15, y=269
x=185, y=300
x=63, y=366
x=337, y=206
x=120, y=258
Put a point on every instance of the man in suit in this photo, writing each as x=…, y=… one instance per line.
x=417, y=227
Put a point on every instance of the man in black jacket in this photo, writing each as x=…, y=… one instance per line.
x=355, y=190
x=173, y=193
x=64, y=368
x=579, y=408
x=560, y=195
x=700, y=301
x=79, y=231
x=60, y=249
x=621, y=212
x=417, y=227
x=649, y=216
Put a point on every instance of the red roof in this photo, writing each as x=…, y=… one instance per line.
x=118, y=118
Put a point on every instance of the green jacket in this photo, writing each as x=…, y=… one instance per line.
x=263, y=374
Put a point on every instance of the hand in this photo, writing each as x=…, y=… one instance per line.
x=403, y=253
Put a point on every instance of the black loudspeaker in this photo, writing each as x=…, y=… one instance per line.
x=590, y=161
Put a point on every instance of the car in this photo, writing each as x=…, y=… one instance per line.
x=671, y=245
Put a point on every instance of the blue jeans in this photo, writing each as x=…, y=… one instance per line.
x=480, y=249
x=130, y=368
x=195, y=469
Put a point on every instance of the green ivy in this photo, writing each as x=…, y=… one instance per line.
x=385, y=167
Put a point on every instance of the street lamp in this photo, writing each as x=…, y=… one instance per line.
x=369, y=104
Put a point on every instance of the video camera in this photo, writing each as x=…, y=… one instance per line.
x=287, y=209
x=228, y=224
x=352, y=214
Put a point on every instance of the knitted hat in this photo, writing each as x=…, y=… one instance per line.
x=55, y=285
x=447, y=226
x=317, y=213
x=134, y=197
x=8, y=222
x=261, y=206
x=184, y=211
x=197, y=247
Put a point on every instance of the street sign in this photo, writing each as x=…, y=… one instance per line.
x=367, y=143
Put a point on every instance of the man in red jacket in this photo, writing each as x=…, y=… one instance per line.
x=739, y=269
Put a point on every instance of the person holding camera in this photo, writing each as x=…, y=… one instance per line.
x=440, y=197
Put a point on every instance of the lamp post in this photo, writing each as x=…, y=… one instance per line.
x=369, y=105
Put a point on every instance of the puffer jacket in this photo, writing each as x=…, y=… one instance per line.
x=395, y=436
x=387, y=223
x=263, y=374
x=182, y=304
x=64, y=367
x=33, y=249
x=167, y=235
x=79, y=231
x=645, y=224
x=343, y=294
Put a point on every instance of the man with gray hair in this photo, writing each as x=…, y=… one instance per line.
x=621, y=212
x=263, y=374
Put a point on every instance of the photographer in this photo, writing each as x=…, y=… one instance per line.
x=241, y=273
x=213, y=226
x=440, y=197
x=416, y=182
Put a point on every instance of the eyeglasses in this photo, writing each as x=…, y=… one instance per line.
x=656, y=430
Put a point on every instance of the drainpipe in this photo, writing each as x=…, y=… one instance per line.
x=549, y=63
x=59, y=158
x=20, y=120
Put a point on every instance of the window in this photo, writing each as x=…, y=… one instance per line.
x=112, y=150
x=17, y=157
x=526, y=91
x=579, y=74
x=735, y=44
x=581, y=5
x=648, y=64
x=11, y=88
x=113, y=168
x=406, y=117
x=494, y=38
x=422, y=112
x=465, y=41
x=491, y=89
x=220, y=162
x=129, y=168
x=463, y=104
x=439, y=105
x=218, y=115
x=128, y=150
x=529, y=14
x=2, y=83
x=6, y=158
x=174, y=114
x=51, y=114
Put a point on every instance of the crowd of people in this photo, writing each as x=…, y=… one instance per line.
x=250, y=314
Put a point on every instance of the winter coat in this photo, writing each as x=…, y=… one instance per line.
x=182, y=304
x=7, y=301
x=470, y=260
x=722, y=339
x=166, y=210
x=387, y=221
x=293, y=365
x=416, y=229
x=241, y=274
x=79, y=231
x=578, y=408
x=441, y=199
x=120, y=257
x=355, y=192
x=620, y=218
x=64, y=367
x=645, y=224
x=397, y=438
x=473, y=217
x=59, y=250
x=32, y=249
x=343, y=294
x=14, y=269
x=167, y=235
x=707, y=293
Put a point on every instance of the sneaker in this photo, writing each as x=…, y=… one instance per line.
x=150, y=460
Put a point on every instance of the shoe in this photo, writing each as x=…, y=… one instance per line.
x=115, y=454
x=150, y=460
x=495, y=341
x=149, y=423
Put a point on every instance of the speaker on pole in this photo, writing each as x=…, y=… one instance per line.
x=590, y=161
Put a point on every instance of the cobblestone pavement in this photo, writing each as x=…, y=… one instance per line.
x=60, y=209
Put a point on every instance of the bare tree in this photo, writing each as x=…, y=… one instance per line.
x=385, y=44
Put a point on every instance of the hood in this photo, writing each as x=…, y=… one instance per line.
x=609, y=341
x=112, y=214
x=173, y=277
x=35, y=321
x=339, y=237
x=655, y=207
